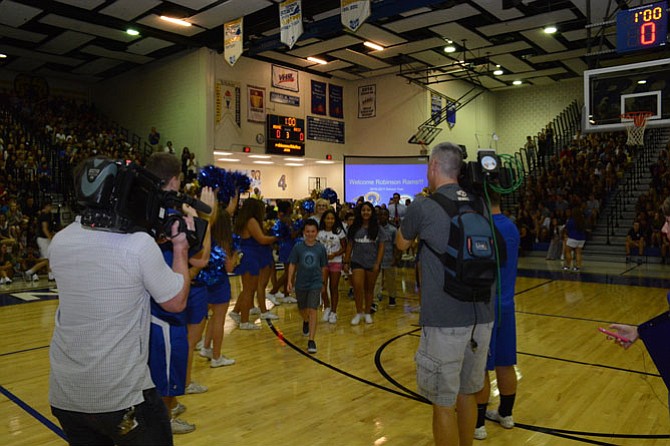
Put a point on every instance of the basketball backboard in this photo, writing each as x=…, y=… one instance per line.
x=610, y=92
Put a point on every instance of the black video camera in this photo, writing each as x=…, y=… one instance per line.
x=127, y=198
x=488, y=167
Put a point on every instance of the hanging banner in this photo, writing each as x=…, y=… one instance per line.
x=285, y=78
x=256, y=104
x=335, y=106
x=451, y=114
x=290, y=22
x=367, y=101
x=354, y=13
x=435, y=108
x=228, y=101
x=232, y=41
x=318, y=98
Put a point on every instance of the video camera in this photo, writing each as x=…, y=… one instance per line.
x=127, y=198
x=488, y=167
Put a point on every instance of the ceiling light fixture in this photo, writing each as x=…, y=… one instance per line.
x=317, y=60
x=262, y=157
x=132, y=32
x=294, y=164
x=551, y=29
x=228, y=160
x=3, y=56
x=222, y=153
x=498, y=72
x=325, y=162
x=449, y=49
x=295, y=160
x=175, y=21
x=263, y=162
x=374, y=46
x=642, y=82
x=517, y=82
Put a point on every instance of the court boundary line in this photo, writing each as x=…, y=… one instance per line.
x=33, y=412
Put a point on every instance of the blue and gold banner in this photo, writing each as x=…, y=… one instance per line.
x=354, y=13
x=290, y=21
x=232, y=41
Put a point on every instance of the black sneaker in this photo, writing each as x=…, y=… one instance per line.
x=305, y=328
x=391, y=302
x=311, y=347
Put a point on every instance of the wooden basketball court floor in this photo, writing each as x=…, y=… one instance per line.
x=359, y=389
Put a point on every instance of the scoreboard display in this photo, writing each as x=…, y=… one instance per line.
x=642, y=27
x=285, y=135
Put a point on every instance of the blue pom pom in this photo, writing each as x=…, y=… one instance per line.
x=227, y=183
x=330, y=195
x=308, y=206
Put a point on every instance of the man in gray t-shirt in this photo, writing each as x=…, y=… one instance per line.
x=454, y=338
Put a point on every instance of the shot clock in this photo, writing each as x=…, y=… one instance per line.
x=642, y=27
x=285, y=135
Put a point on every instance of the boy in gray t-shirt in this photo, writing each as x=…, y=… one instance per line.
x=310, y=260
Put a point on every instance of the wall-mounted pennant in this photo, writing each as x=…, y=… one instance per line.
x=232, y=41
x=354, y=13
x=290, y=22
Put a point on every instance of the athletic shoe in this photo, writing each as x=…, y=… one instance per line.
x=311, y=347
x=357, y=319
x=51, y=276
x=326, y=315
x=8, y=280
x=575, y=269
x=368, y=319
x=35, y=278
x=195, y=388
x=279, y=295
x=506, y=422
x=269, y=316
x=305, y=328
x=249, y=326
x=206, y=353
x=332, y=318
x=480, y=433
x=566, y=268
x=220, y=362
x=178, y=410
x=2, y=280
x=290, y=300
x=273, y=299
x=255, y=310
x=391, y=302
x=181, y=427
x=27, y=276
x=200, y=344
x=235, y=316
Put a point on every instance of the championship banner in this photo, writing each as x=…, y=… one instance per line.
x=228, y=101
x=290, y=22
x=335, y=106
x=232, y=41
x=255, y=104
x=318, y=98
x=354, y=13
x=435, y=108
x=367, y=101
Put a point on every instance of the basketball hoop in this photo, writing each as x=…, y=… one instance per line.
x=636, y=131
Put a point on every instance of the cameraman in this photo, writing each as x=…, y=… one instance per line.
x=100, y=388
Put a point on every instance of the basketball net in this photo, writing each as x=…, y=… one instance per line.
x=636, y=125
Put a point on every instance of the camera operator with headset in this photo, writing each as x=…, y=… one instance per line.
x=454, y=333
x=100, y=386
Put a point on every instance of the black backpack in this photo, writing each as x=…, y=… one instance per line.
x=470, y=266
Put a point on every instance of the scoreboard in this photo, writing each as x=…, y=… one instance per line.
x=642, y=27
x=285, y=135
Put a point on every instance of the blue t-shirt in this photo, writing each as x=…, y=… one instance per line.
x=309, y=261
x=512, y=240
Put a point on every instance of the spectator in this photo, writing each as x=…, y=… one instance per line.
x=154, y=137
x=635, y=239
x=575, y=229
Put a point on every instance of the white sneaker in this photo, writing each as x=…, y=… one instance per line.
x=356, y=319
x=2, y=280
x=194, y=388
x=480, y=433
x=180, y=426
x=332, y=318
x=200, y=344
x=290, y=300
x=506, y=422
x=178, y=410
x=326, y=315
x=235, y=316
x=255, y=310
x=220, y=362
x=51, y=276
x=35, y=278
x=269, y=316
x=273, y=299
x=368, y=319
x=8, y=280
x=206, y=353
x=279, y=295
x=249, y=326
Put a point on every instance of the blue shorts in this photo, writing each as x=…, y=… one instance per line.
x=219, y=293
x=196, y=306
x=502, y=350
x=285, y=251
x=254, y=259
x=168, y=355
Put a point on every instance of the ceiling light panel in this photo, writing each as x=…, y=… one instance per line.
x=511, y=63
x=495, y=8
x=281, y=57
x=148, y=45
x=155, y=21
x=330, y=66
x=87, y=28
x=547, y=42
x=379, y=35
x=20, y=34
x=66, y=42
x=432, y=18
x=359, y=59
x=558, y=16
x=129, y=9
x=410, y=47
x=457, y=33
x=433, y=58
x=83, y=4
x=230, y=10
x=326, y=46
x=15, y=14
